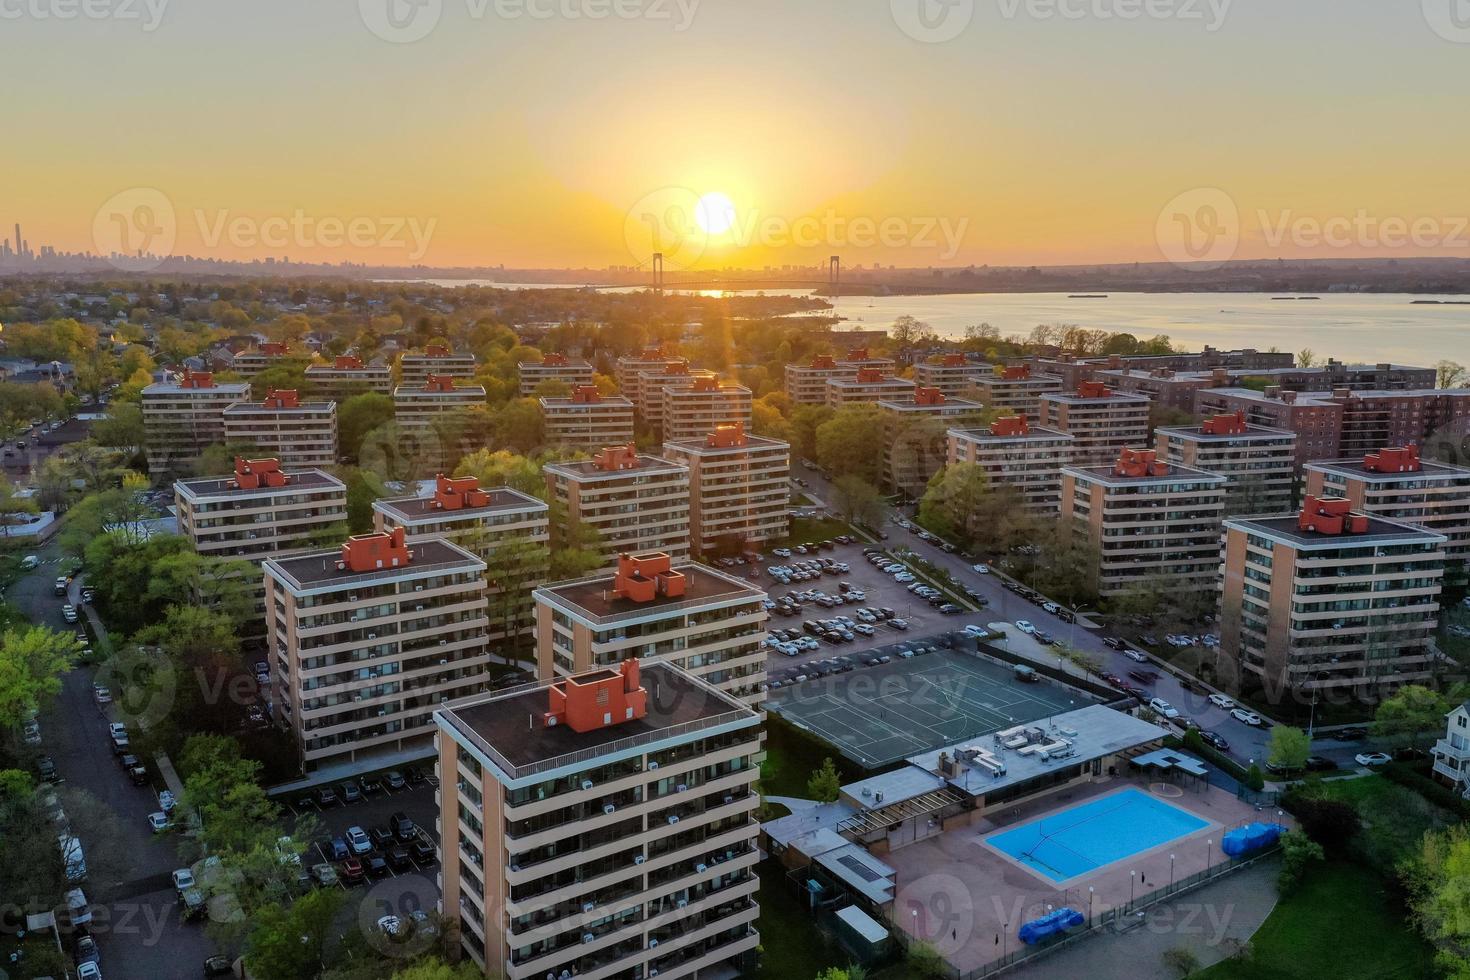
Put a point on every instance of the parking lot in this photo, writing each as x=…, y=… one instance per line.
x=860, y=600
x=371, y=811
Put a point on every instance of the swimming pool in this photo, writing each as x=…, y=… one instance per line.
x=1093, y=834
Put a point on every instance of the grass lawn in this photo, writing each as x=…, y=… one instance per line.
x=791, y=758
x=805, y=530
x=1394, y=818
x=792, y=947
x=1340, y=923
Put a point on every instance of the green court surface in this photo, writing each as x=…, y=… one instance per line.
x=878, y=715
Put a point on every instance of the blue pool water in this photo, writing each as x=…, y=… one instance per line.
x=1091, y=835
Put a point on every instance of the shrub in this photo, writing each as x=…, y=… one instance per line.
x=1254, y=779
x=1182, y=961
x=1331, y=823
x=1426, y=787
x=1299, y=851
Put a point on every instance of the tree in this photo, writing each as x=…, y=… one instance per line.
x=825, y=784
x=1288, y=748
x=359, y=415
x=805, y=420
x=1253, y=778
x=767, y=420
x=1437, y=883
x=502, y=468
x=952, y=502
x=924, y=961
x=1331, y=823
x=845, y=442
x=1449, y=374
x=1181, y=960
x=520, y=425
x=32, y=662
x=907, y=333
x=1306, y=357
x=433, y=968
x=1298, y=852
x=858, y=501
x=512, y=569
x=28, y=856
x=1410, y=713
x=289, y=942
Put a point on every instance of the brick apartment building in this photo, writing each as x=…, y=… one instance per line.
x=347, y=376
x=1260, y=463
x=1014, y=453
x=183, y=417
x=417, y=407
x=1101, y=421
x=868, y=385
x=915, y=446
x=300, y=434
x=739, y=490
x=601, y=825
x=588, y=419
x=697, y=410
x=952, y=374
x=806, y=384
x=553, y=367
x=635, y=502
x=435, y=360
x=630, y=367
x=247, y=364
x=1017, y=390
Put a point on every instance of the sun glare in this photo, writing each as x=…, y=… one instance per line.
x=715, y=213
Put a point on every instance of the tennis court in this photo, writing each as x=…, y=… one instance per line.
x=878, y=715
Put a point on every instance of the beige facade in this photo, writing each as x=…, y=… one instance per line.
x=635, y=502
x=247, y=364
x=915, y=446
x=1397, y=485
x=183, y=417
x=806, y=384
x=587, y=420
x=417, y=408
x=1260, y=463
x=504, y=528
x=1329, y=599
x=1016, y=390
x=868, y=386
x=954, y=375
x=715, y=628
x=1149, y=521
x=366, y=642
x=630, y=368
x=699, y=409
x=415, y=369
x=653, y=384
x=1101, y=422
x=348, y=376
x=739, y=488
x=553, y=367
x=1015, y=454
x=622, y=848
x=300, y=434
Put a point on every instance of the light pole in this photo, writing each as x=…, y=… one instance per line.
x=1089, y=906
x=1132, y=881
x=1209, y=853
x=1005, y=940
x=1171, y=872
x=1076, y=615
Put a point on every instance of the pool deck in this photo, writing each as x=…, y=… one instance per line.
x=970, y=899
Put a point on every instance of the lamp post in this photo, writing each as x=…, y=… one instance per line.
x=1209, y=853
x=1089, y=906
x=1132, y=881
x=1171, y=871
x=1005, y=940
x=1076, y=615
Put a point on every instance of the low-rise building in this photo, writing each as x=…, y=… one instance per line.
x=504, y=528
x=1016, y=390
x=300, y=434
x=953, y=374
x=868, y=385
x=1452, y=753
x=1259, y=462
x=347, y=376
x=417, y=407
x=1329, y=599
x=1398, y=485
x=183, y=417
x=650, y=606
x=1148, y=520
x=634, y=502
x=553, y=367
x=914, y=442
x=739, y=489
x=703, y=406
x=366, y=642
x=601, y=825
x=1101, y=422
x=587, y=419
x=1013, y=453
x=435, y=360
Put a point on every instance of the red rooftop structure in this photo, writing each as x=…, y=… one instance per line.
x=954, y=360
x=1016, y=372
x=458, y=493
x=197, y=379
x=870, y=374
x=281, y=398
x=1139, y=463
x=928, y=396
x=373, y=552
x=597, y=699
x=727, y=436
x=439, y=382
x=436, y=350
x=1011, y=425
x=615, y=458
x=857, y=354
x=1399, y=459
x=275, y=349
x=643, y=578
x=348, y=362
x=823, y=362
x=554, y=360
x=1331, y=516
x=1233, y=424
x=706, y=383
x=254, y=474
x=1093, y=389
x=586, y=395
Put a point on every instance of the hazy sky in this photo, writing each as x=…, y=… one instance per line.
x=559, y=139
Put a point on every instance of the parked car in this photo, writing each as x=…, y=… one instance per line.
x=1214, y=741
x=1164, y=708
x=1135, y=656
x=1372, y=758
x=158, y=822
x=351, y=793
x=183, y=879
x=352, y=870
x=1025, y=627
x=1114, y=643
x=324, y=874
x=358, y=840
x=326, y=796
x=980, y=568
x=1221, y=701
x=1246, y=717
x=219, y=966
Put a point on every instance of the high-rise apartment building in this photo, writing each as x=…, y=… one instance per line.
x=952, y=374
x=247, y=364
x=368, y=641
x=435, y=360
x=739, y=489
x=602, y=825
x=587, y=419
x=1149, y=521
x=630, y=367
x=1260, y=463
x=347, y=376
x=806, y=384
x=649, y=606
x=417, y=407
x=1017, y=390
x=870, y=384
x=634, y=502
x=300, y=434
x=1101, y=422
x=653, y=384
x=1013, y=453
x=705, y=405
x=502, y=527
x=553, y=367
x=915, y=446
x=183, y=417
x=1329, y=599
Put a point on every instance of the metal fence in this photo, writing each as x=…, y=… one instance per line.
x=1120, y=919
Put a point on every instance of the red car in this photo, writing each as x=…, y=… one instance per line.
x=352, y=870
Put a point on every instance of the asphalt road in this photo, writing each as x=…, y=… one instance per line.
x=1247, y=743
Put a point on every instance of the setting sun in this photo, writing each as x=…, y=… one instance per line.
x=715, y=213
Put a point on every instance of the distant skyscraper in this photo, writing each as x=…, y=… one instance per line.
x=20, y=248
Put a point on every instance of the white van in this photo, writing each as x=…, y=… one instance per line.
x=72, y=857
